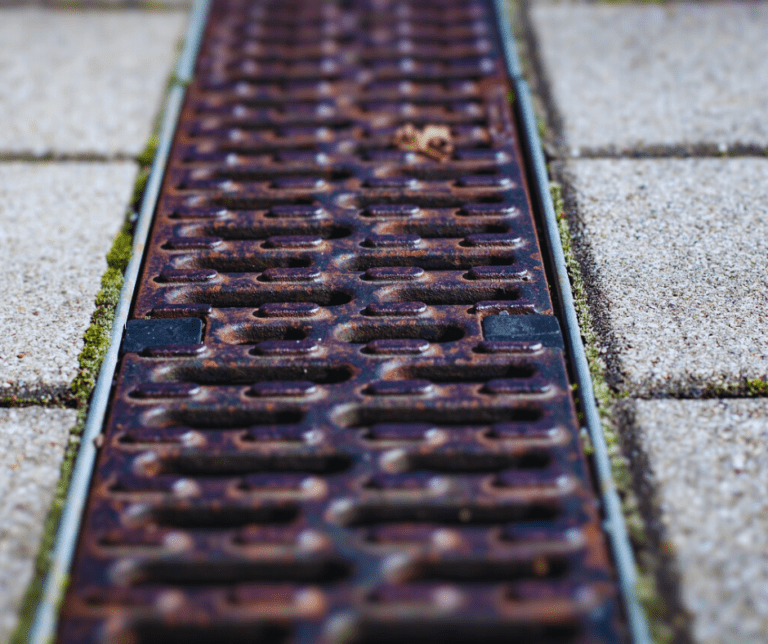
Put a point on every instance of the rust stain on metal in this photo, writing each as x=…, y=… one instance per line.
x=344, y=458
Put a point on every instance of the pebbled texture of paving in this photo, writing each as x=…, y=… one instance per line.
x=83, y=82
x=646, y=75
x=57, y=222
x=708, y=460
x=675, y=253
x=32, y=442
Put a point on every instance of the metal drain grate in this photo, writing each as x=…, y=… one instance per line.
x=345, y=457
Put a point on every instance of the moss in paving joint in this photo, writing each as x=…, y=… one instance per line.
x=96, y=344
x=42, y=401
x=92, y=355
x=757, y=388
x=752, y=388
x=548, y=120
x=647, y=588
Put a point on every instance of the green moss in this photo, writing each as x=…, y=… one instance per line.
x=647, y=588
x=96, y=339
x=96, y=343
x=140, y=184
x=754, y=388
x=757, y=388
x=21, y=401
x=148, y=154
x=95, y=347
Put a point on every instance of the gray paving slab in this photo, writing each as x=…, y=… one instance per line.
x=57, y=222
x=32, y=442
x=675, y=254
x=657, y=75
x=116, y=4
x=87, y=82
x=708, y=460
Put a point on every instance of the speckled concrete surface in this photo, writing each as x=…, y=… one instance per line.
x=150, y=5
x=675, y=254
x=57, y=222
x=709, y=462
x=667, y=74
x=32, y=442
x=83, y=82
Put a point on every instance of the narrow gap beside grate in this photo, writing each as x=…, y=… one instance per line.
x=373, y=441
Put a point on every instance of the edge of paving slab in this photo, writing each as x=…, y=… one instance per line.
x=607, y=344
x=657, y=554
x=602, y=336
x=659, y=571
x=90, y=358
x=614, y=522
x=601, y=458
x=658, y=580
x=656, y=585
x=96, y=342
x=39, y=628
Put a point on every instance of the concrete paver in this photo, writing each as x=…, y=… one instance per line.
x=83, y=82
x=676, y=251
x=679, y=249
x=709, y=462
x=680, y=73
x=149, y=5
x=32, y=442
x=57, y=221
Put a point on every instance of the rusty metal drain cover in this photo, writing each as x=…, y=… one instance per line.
x=366, y=446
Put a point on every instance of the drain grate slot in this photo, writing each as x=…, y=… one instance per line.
x=370, y=437
x=148, y=631
x=447, y=415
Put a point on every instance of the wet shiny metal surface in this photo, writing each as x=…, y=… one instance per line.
x=345, y=457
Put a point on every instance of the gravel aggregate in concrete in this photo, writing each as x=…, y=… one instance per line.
x=57, y=222
x=675, y=254
x=32, y=442
x=708, y=460
x=648, y=75
x=83, y=82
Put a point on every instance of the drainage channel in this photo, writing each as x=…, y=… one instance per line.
x=342, y=412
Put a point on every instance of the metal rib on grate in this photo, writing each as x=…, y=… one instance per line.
x=347, y=454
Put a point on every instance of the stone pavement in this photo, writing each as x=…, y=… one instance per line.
x=79, y=93
x=658, y=117
x=658, y=130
